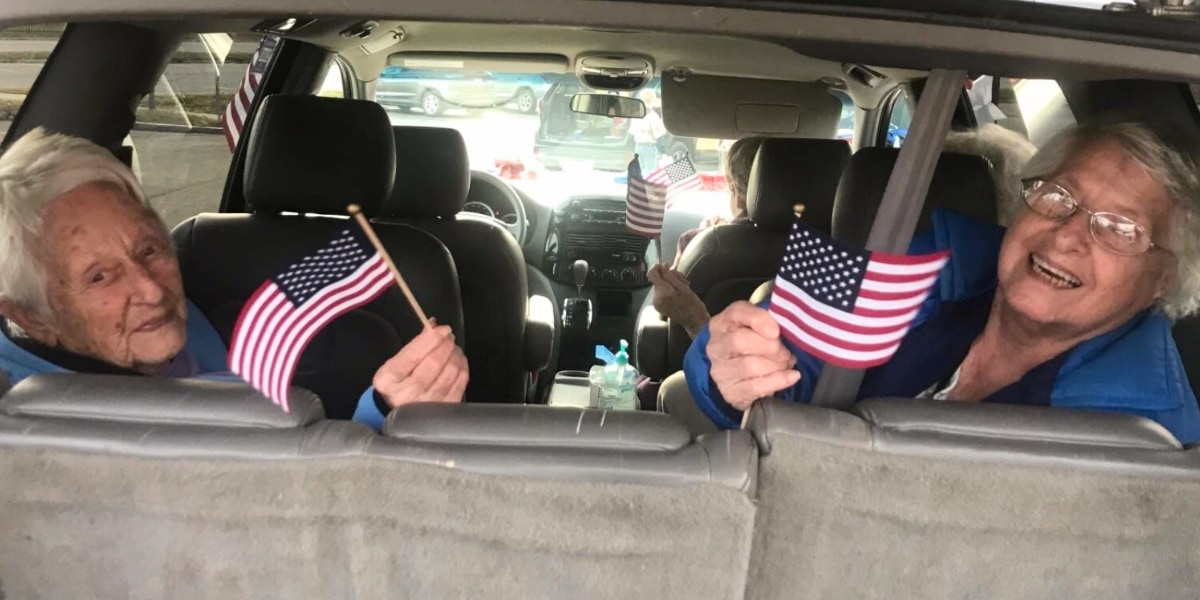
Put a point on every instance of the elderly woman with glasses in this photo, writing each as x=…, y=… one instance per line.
x=1070, y=307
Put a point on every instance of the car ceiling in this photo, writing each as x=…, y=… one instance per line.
x=759, y=43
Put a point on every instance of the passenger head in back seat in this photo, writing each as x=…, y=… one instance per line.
x=673, y=296
x=1071, y=307
x=89, y=282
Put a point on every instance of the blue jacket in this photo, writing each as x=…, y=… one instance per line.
x=204, y=355
x=1132, y=369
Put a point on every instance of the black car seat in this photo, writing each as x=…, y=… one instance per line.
x=727, y=262
x=308, y=158
x=504, y=344
x=961, y=182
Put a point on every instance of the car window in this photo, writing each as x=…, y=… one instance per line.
x=180, y=150
x=521, y=127
x=23, y=51
x=335, y=83
x=1043, y=109
x=1035, y=108
x=899, y=120
x=846, y=120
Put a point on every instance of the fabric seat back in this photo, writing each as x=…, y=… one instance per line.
x=923, y=499
x=197, y=489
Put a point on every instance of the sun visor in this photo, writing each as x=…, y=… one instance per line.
x=704, y=106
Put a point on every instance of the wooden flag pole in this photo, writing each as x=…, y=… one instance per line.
x=658, y=248
x=356, y=212
x=798, y=210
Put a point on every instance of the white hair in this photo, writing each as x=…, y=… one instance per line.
x=1173, y=166
x=1008, y=151
x=35, y=170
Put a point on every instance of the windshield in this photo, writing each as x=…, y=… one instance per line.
x=520, y=127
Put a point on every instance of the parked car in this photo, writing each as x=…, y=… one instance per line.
x=436, y=91
x=521, y=89
x=605, y=142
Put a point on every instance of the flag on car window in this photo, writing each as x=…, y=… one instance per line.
x=284, y=314
x=234, y=118
x=647, y=198
x=848, y=306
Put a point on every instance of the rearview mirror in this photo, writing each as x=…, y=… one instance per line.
x=608, y=105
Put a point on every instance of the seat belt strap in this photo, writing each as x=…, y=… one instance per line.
x=900, y=208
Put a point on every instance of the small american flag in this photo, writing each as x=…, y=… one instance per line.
x=234, y=119
x=289, y=309
x=846, y=306
x=647, y=198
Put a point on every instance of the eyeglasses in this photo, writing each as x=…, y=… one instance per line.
x=1117, y=234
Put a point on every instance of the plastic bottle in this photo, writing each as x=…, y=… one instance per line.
x=618, y=391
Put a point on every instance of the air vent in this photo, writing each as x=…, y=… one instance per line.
x=606, y=243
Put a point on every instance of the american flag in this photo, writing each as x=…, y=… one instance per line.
x=847, y=306
x=233, y=121
x=289, y=309
x=647, y=198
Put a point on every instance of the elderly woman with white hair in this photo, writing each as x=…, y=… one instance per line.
x=89, y=283
x=1070, y=307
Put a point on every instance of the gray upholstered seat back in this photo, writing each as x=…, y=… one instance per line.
x=918, y=499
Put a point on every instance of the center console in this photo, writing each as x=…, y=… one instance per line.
x=593, y=229
x=598, y=270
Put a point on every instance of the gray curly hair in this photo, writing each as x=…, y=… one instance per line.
x=35, y=170
x=1172, y=165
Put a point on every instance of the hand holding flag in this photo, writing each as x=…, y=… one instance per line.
x=288, y=310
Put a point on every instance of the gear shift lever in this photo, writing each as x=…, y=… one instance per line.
x=580, y=271
x=577, y=311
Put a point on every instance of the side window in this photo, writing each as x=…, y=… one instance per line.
x=181, y=143
x=23, y=51
x=336, y=82
x=845, y=130
x=1042, y=108
x=899, y=120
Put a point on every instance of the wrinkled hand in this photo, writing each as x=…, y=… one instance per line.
x=749, y=360
x=674, y=298
x=430, y=368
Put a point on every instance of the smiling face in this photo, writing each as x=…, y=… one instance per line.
x=112, y=281
x=1055, y=276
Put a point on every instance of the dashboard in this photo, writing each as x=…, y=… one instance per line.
x=488, y=209
x=592, y=228
x=581, y=227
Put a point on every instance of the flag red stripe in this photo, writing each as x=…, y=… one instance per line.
x=378, y=282
x=288, y=327
x=260, y=315
x=881, y=314
x=830, y=358
x=238, y=346
x=891, y=296
x=856, y=328
x=352, y=285
x=832, y=340
x=271, y=332
x=895, y=277
x=358, y=288
x=884, y=258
